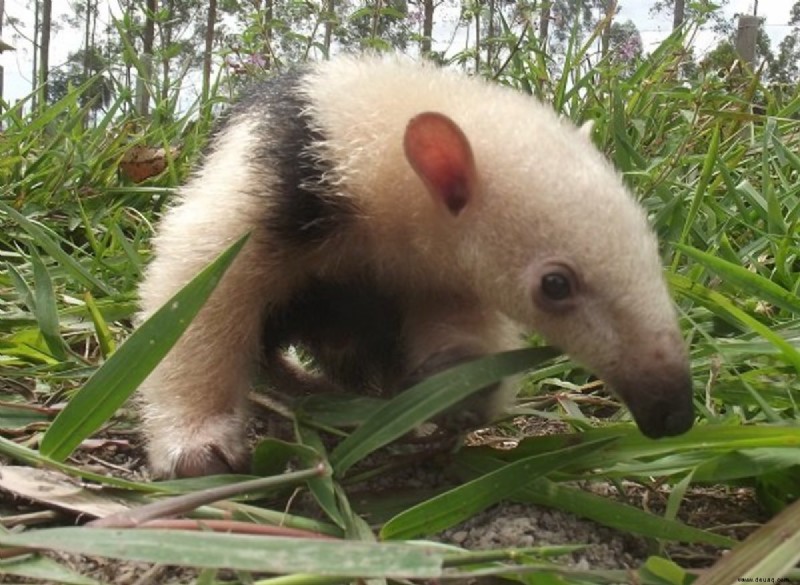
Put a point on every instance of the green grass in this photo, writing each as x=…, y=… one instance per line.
x=721, y=185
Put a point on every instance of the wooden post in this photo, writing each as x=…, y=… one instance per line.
x=746, y=38
x=679, y=14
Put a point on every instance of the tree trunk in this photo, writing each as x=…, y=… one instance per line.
x=544, y=23
x=211, y=23
x=87, y=38
x=44, y=51
x=2, y=12
x=376, y=19
x=269, y=14
x=608, y=17
x=680, y=13
x=165, y=30
x=490, y=33
x=35, y=67
x=128, y=66
x=330, y=19
x=477, y=7
x=145, y=76
x=88, y=53
x=427, y=27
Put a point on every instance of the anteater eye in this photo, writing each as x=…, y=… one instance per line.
x=556, y=286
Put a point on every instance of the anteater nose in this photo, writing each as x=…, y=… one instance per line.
x=665, y=420
x=678, y=422
x=661, y=406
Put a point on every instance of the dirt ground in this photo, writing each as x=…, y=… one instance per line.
x=732, y=512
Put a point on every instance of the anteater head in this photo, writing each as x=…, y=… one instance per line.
x=551, y=236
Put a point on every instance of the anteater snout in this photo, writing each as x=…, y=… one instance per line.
x=661, y=405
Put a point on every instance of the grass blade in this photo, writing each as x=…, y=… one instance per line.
x=241, y=551
x=41, y=236
x=119, y=377
x=46, y=308
x=771, y=550
x=751, y=282
x=724, y=308
x=456, y=505
x=602, y=510
x=423, y=401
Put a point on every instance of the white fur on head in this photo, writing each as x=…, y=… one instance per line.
x=544, y=193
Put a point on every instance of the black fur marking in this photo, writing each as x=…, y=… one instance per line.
x=352, y=330
x=306, y=209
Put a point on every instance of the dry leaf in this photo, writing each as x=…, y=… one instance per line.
x=142, y=162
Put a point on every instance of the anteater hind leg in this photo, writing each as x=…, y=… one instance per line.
x=194, y=401
x=446, y=334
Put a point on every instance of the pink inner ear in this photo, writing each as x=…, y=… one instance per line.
x=441, y=155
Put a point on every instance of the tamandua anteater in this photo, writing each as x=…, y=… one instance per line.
x=403, y=219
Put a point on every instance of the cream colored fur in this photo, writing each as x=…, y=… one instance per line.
x=544, y=193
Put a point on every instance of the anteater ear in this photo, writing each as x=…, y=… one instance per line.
x=440, y=154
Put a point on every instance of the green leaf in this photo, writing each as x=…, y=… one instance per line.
x=338, y=410
x=665, y=571
x=701, y=443
x=46, y=308
x=724, y=308
x=744, y=463
x=42, y=237
x=104, y=338
x=751, y=282
x=605, y=511
x=118, y=378
x=241, y=551
x=16, y=416
x=449, y=508
x=700, y=191
x=423, y=401
x=770, y=552
x=322, y=488
x=42, y=569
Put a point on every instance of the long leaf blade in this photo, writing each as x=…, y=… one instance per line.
x=118, y=378
x=242, y=551
x=405, y=412
x=454, y=506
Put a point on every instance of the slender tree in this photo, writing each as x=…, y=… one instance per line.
x=678, y=13
x=35, y=65
x=165, y=34
x=784, y=70
x=145, y=75
x=490, y=32
x=605, y=38
x=88, y=42
x=44, y=50
x=477, y=10
x=427, y=26
x=211, y=23
x=269, y=15
x=330, y=19
x=709, y=11
x=544, y=23
x=2, y=73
